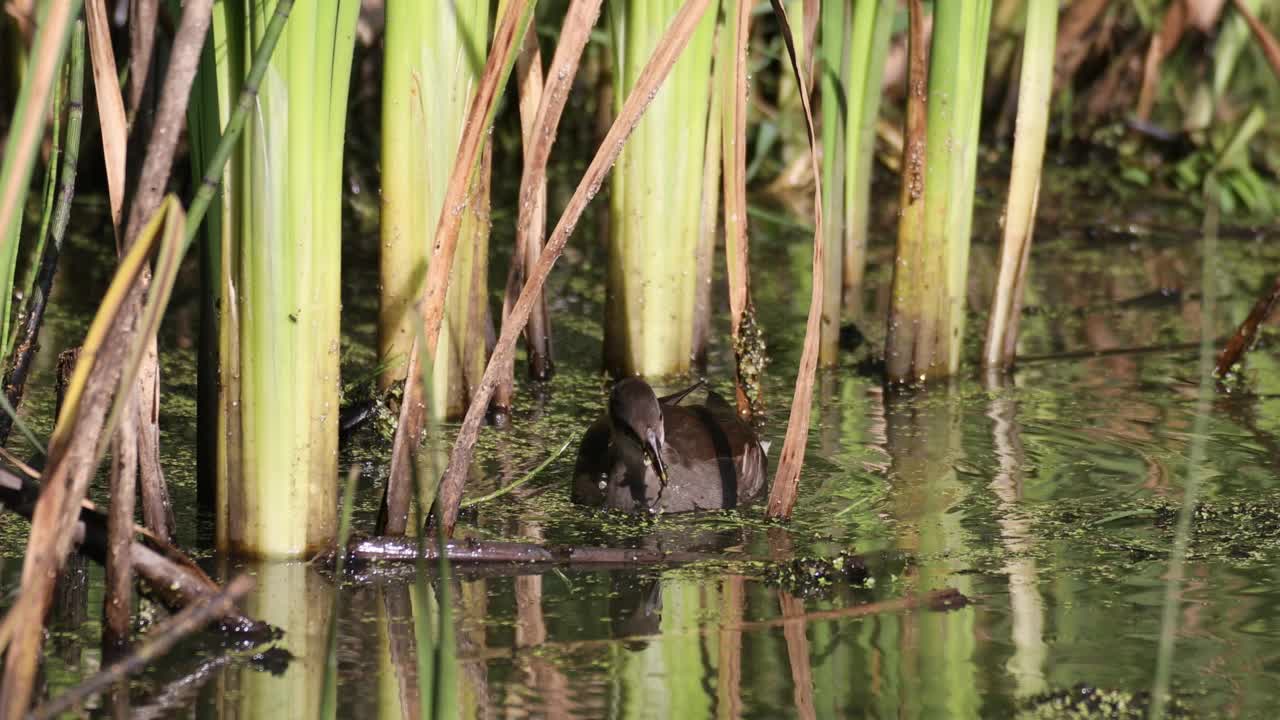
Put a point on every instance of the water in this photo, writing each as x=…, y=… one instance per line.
x=1047, y=501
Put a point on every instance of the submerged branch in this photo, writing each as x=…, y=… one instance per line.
x=176, y=583
x=159, y=642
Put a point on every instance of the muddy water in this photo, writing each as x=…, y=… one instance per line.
x=1048, y=501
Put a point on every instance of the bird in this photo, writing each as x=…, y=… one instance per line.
x=653, y=455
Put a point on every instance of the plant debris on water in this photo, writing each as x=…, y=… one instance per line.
x=817, y=577
x=1084, y=702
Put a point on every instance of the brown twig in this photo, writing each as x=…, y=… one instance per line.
x=173, y=579
x=786, y=482
x=160, y=641
x=1245, y=335
x=664, y=56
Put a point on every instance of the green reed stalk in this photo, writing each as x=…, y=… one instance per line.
x=30, y=114
x=656, y=197
x=854, y=47
x=910, y=275
x=280, y=287
x=927, y=321
x=329, y=696
x=837, y=31
x=872, y=26
x=50, y=184
x=956, y=69
x=434, y=57
x=1035, y=89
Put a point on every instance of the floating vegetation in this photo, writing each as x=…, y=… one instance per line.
x=1084, y=702
x=815, y=577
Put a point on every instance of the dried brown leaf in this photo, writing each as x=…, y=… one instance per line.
x=111, y=117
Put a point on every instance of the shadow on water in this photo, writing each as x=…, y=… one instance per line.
x=1045, y=500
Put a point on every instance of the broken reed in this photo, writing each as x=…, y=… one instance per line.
x=855, y=43
x=926, y=317
x=434, y=55
x=656, y=197
x=279, y=292
x=1035, y=88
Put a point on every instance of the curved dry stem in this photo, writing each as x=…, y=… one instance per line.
x=786, y=482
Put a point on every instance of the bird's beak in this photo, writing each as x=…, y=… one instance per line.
x=653, y=446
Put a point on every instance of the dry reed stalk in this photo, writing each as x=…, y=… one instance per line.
x=529, y=236
x=659, y=66
x=736, y=239
x=149, y=187
x=413, y=409
x=786, y=481
x=117, y=601
x=111, y=115
x=142, y=43
x=74, y=450
x=529, y=83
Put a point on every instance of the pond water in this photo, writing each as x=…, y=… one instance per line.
x=1048, y=501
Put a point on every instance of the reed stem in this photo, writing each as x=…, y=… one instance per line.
x=1034, y=92
x=280, y=289
x=434, y=57
x=656, y=198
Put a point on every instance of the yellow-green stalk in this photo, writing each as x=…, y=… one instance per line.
x=435, y=52
x=926, y=324
x=280, y=288
x=1034, y=91
x=656, y=197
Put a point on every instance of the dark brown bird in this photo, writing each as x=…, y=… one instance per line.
x=650, y=454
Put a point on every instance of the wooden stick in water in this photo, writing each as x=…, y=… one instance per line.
x=159, y=642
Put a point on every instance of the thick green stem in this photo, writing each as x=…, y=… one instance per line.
x=434, y=56
x=927, y=320
x=656, y=198
x=280, y=292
